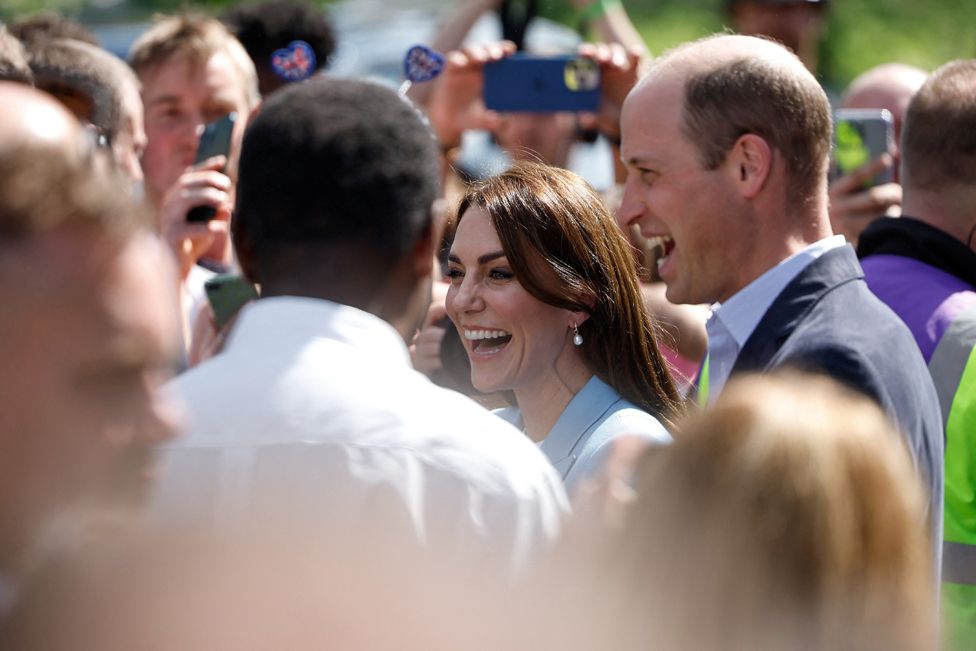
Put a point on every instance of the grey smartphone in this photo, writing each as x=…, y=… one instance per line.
x=526, y=83
x=227, y=294
x=214, y=141
x=860, y=136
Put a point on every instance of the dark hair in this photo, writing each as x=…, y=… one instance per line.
x=939, y=136
x=263, y=27
x=74, y=68
x=13, y=59
x=549, y=214
x=751, y=95
x=335, y=163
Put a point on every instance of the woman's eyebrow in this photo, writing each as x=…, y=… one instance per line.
x=482, y=259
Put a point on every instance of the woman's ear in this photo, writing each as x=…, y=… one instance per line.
x=576, y=319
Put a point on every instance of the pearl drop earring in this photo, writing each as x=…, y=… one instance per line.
x=577, y=337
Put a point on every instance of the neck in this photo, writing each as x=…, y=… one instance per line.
x=772, y=242
x=951, y=212
x=543, y=403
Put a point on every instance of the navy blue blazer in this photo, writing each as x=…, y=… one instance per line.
x=828, y=321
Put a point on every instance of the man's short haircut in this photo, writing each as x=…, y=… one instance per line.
x=336, y=163
x=752, y=95
x=939, y=137
x=263, y=27
x=42, y=190
x=13, y=59
x=69, y=66
x=48, y=26
x=197, y=37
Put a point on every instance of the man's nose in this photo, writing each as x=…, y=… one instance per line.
x=631, y=208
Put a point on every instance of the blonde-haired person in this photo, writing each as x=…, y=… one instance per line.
x=193, y=72
x=786, y=517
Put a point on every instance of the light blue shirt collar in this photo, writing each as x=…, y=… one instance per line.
x=583, y=410
x=742, y=312
x=730, y=324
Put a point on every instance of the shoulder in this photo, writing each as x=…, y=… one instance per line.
x=623, y=419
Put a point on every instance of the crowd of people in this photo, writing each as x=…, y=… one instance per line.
x=378, y=398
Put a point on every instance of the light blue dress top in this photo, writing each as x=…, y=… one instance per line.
x=579, y=441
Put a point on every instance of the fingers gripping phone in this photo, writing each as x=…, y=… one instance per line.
x=214, y=141
x=860, y=136
x=526, y=83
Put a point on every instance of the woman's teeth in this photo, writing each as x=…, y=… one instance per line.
x=475, y=335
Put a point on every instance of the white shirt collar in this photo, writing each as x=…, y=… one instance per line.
x=742, y=312
x=281, y=319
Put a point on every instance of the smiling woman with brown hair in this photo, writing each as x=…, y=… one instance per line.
x=544, y=292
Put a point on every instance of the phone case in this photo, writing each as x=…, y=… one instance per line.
x=532, y=84
x=214, y=141
x=860, y=136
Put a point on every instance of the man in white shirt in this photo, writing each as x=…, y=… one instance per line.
x=726, y=142
x=313, y=412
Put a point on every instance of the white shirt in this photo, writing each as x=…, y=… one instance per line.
x=313, y=407
x=731, y=323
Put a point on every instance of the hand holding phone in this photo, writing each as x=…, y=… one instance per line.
x=860, y=137
x=527, y=83
x=214, y=141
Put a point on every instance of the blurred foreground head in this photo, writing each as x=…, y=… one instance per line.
x=301, y=590
x=86, y=332
x=785, y=517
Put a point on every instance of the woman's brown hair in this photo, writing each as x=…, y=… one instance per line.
x=566, y=250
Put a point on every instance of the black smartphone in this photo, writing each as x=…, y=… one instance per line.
x=525, y=83
x=214, y=141
x=227, y=294
x=860, y=136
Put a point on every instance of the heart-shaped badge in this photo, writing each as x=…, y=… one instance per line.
x=422, y=64
x=295, y=62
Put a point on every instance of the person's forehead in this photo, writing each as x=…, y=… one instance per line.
x=182, y=75
x=657, y=101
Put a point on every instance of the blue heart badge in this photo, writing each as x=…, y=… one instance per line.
x=422, y=64
x=295, y=62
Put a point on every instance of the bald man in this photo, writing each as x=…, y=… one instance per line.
x=87, y=331
x=726, y=143
x=888, y=86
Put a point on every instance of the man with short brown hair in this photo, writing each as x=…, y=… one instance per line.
x=100, y=90
x=923, y=265
x=741, y=210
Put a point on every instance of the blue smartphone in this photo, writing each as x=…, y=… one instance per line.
x=214, y=141
x=526, y=83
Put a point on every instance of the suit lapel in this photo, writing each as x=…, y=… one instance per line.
x=832, y=269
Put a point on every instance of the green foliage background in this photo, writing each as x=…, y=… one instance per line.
x=860, y=34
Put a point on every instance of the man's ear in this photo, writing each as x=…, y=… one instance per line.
x=751, y=161
x=244, y=250
x=429, y=242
